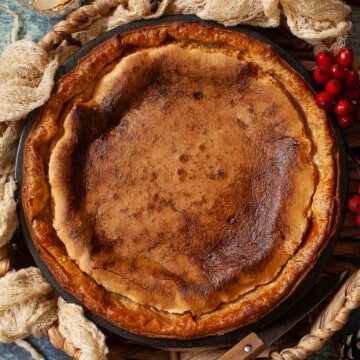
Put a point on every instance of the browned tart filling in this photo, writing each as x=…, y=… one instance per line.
x=181, y=182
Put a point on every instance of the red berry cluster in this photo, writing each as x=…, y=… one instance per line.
x=354, y=205
x=342, y=92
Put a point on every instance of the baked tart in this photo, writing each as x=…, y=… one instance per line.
x=181, y=182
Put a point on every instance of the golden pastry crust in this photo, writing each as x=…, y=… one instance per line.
x=181, y=182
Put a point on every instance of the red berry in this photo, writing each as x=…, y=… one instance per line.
x=358, y=189
x=343, y=107
x=324, y=100
x=344, y=58
x=337, y=71
x=333, y=86
x=321, y=74
x=350, y=79
x=346, y=121
x=354, y=203
x=355, y=94
x=351, y=94
x=357, y=219
x=325, y=58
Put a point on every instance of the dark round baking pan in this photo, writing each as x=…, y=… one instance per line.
x=209, y=340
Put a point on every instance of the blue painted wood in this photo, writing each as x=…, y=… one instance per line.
x=34, y=26
x=42, y=345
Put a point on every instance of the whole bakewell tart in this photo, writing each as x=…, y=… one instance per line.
x=181, y=182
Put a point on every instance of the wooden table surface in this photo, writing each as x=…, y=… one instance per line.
x=35, y=26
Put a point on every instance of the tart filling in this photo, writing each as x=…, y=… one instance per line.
x=181, y=182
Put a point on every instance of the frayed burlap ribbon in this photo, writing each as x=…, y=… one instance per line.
x=82, y=337
x=28, y=304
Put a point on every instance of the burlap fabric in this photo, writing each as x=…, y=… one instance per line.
x=28, y=304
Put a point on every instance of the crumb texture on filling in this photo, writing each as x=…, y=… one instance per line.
x=185, y=180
